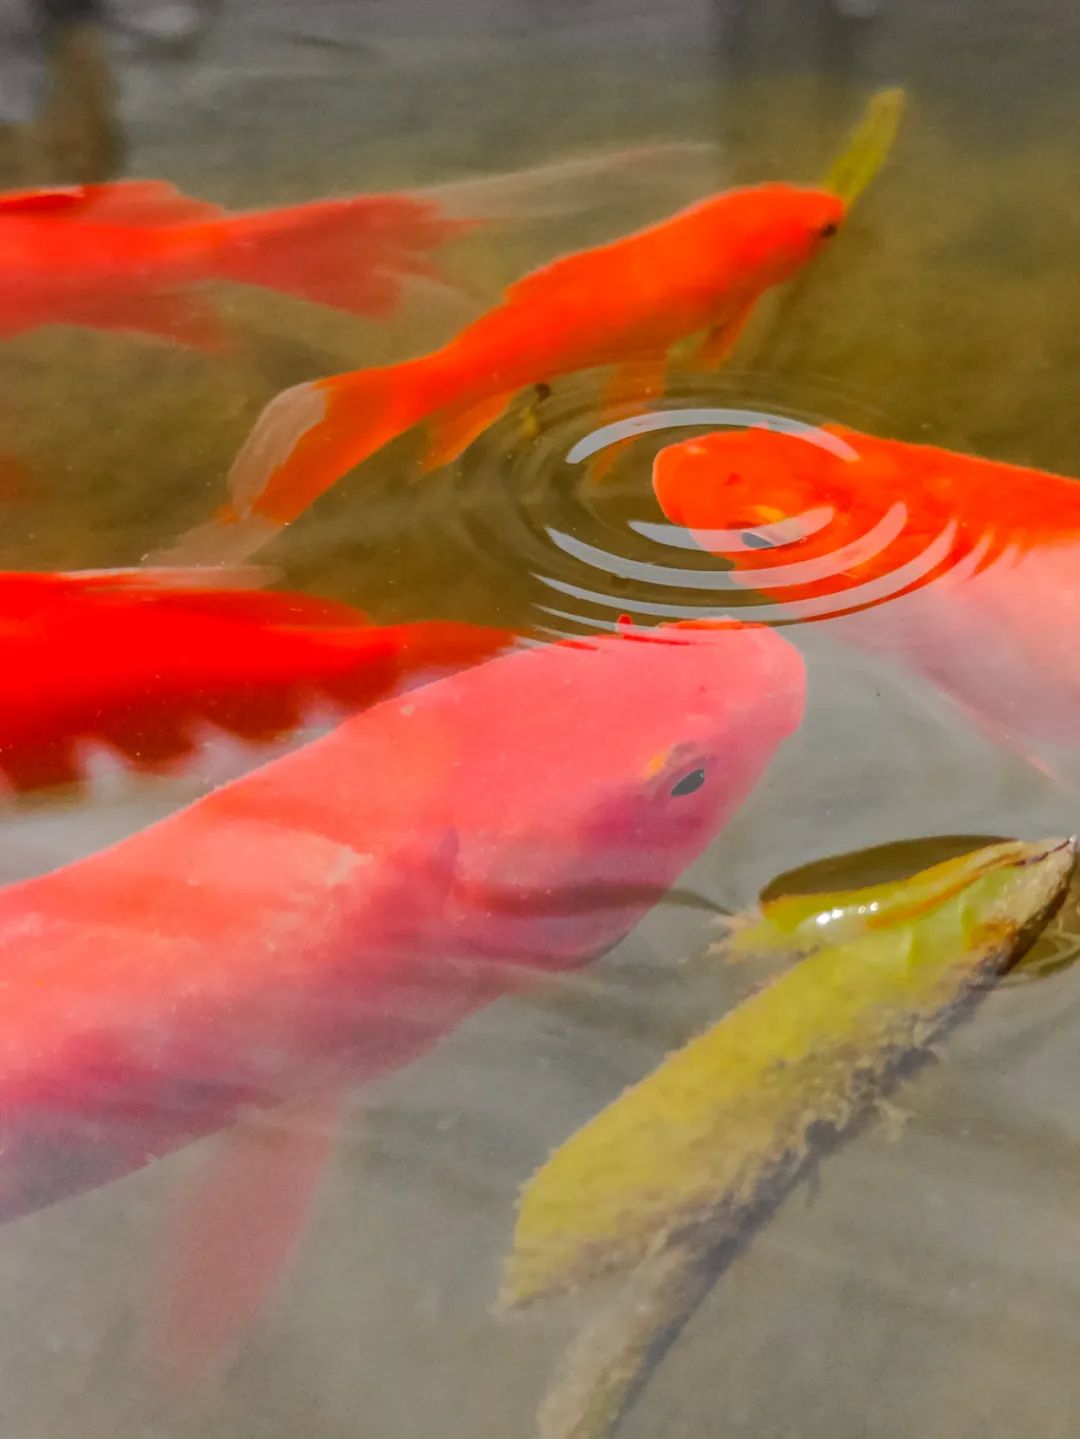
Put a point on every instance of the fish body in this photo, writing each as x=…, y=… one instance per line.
x=963, y=568
x=128, y=255
x=332, y=914
x=139, y=660
x=623, y=304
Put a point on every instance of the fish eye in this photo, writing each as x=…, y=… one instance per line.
x=827, y=230
x=753, y=541
x=689, y=783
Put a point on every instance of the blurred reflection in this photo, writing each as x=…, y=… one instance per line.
x=837, y=32
x=834, y=42
x=74, y=136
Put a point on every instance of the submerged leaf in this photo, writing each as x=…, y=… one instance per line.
x=722, y=1115
x=868, y=146
x=798, y=924
x=666, y=1179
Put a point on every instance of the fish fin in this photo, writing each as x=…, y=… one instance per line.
x=302, y=443
x=719, y=342
x=222, y=543
x=143, y=203
x=234, y=1235
x=451, y=434
x=118, y=202
x=58, y=200
x=627, y=385
x=1001, y=737
x=236, y=593
x=187, y=319
x=633, y=380
x=174, y=577
x=353, y=254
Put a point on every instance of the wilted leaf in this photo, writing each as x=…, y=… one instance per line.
x=667, y=1177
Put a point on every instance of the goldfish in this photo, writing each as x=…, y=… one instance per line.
x=129, y=254
x=667, y=1180
x=138, y=660
x=328, y=917
x=623, y=304
x=962, y=568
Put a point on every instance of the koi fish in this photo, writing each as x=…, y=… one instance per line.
x=670, y=1177
x=964, y=569
x=126, y=255
x=137, y=660
x=330, y=916
x=623, y=304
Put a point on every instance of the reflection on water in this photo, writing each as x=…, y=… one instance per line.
x=928, y=1287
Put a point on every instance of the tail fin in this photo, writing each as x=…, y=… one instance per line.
x=303, y=442
x=353, y=254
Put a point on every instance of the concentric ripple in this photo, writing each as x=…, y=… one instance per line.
x=591, y=550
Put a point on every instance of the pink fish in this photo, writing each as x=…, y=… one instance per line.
x=330, y=916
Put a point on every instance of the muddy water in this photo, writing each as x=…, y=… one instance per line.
x=932, y=1284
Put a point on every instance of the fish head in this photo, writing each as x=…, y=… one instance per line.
x=761, y=497
x=773, y=230
x=599, y=769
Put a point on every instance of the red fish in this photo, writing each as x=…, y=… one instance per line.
x=138, y=659
x=330, y=916
x=623, y=304
x=966, y=569
x=129, y=254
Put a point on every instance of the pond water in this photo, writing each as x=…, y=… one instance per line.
x=927, y=1284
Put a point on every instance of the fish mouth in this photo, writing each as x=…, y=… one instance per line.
x=556, y=926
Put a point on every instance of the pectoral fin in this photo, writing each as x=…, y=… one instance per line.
x=235, y=1233
x=451, y=434
x=629, y=386
x=722, y=338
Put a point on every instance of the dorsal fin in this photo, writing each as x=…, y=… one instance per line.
x=122, y=202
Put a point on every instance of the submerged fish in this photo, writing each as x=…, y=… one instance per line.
x=128, y=255
x=666, y=1180
x=623, y=304
x=331, y=915
x=966, y=569
x=139, y=660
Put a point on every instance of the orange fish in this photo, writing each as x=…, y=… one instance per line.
x=966, y=569
x=139, y=661
x=623, y=304
x=127, y=256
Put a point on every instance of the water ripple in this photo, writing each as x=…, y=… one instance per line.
x=530, y=507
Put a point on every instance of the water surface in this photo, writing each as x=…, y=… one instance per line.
x=931, y=1285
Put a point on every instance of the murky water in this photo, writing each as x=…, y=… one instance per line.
x=930, y=1284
